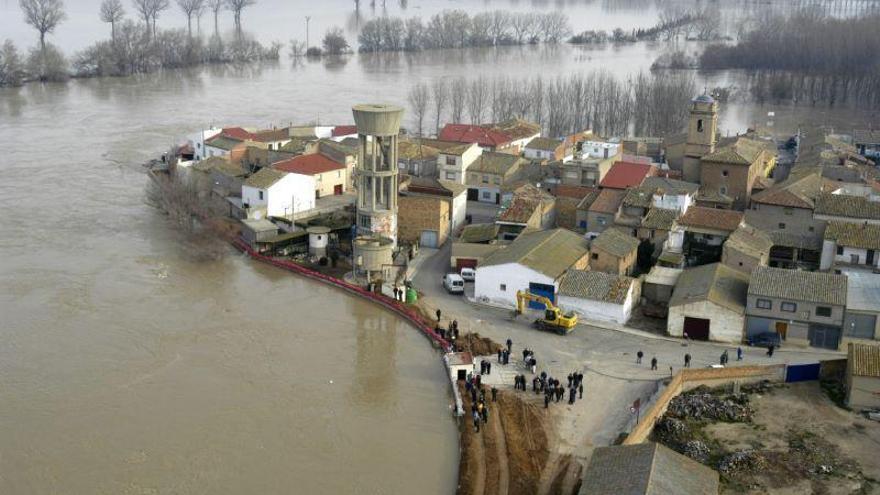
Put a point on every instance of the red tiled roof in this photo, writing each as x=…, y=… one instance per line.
x=608, y=201
x=463, y=133
x=315, y=163
x=344, y=130
x=236, y=133
x=624, y=175
x=576, y=192
x=711, y=218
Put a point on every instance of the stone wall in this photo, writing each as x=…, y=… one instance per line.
x=418, y=213
x=688, y=379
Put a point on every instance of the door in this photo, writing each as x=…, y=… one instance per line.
x=824, y=337
x=337, y=189
x=781, y=329
x=696, y=328
x=497, y=199
x=428, y=239
x=869, y=259
x=473, y=194
x=465, y=263
x=545, y=290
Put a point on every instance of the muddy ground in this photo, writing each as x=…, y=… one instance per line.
x=784, y=439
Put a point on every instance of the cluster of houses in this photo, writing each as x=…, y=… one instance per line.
x=709, y=232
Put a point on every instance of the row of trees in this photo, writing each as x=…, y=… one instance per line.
x=646, y=104
x=457, y=29
x=133, y=47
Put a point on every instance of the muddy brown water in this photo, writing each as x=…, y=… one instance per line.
x=129, y=366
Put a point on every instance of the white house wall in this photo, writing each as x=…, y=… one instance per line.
x=459, y=210
x=487, y=285
x=725, y=325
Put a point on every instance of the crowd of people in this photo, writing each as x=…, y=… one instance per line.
x=479, y=406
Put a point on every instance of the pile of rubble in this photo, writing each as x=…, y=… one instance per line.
x=677, y=435
x=702, y=405
x=742, y=461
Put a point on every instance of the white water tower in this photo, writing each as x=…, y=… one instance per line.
x=318, y=239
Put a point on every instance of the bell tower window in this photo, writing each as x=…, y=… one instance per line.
x=699, y=125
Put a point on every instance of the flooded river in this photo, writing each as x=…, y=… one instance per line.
x=129, y=366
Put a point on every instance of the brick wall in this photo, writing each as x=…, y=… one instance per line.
x=418, y=213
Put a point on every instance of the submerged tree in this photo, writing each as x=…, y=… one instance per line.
x=112, y=12
x=11, y=66
x=334, y=42
x=189, y=9
x=216, y=6
x=418, y=99
x=44, y=16
x=236, y=6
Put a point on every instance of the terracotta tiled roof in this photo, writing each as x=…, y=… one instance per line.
x=615, y=242
x=660, y=218
x=544, y=144
x=608, y=201
x=237, y=133
x=797, y=285
x=264, y=178
x=749, y=240
x=864, y=359
x=576, y=192
x=598, y=286
x=271, y=135
x=839, y=205
x=799, y=191
x=550, y=252
x=344, y=130
x=515, y=128
x=711, y=218
x=312, y=164
x=588, y=200
x=743, y=151
x=854, y=235
x=473, y=134
x=866, y=136
x=714, y=282
x=624, y=175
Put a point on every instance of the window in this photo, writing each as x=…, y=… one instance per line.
x=503, y=287
x=700, y=125
x=764, y=304
x=260, y=194
x=602, y=220
x=811, y=228
x=724, y=173
x=781, y=225
x=788, y=211
x=840, y=250
x=823, y=311
x=854, y=259
x=594, y=256
x=338, y=174
x=496, y=181
x=450, y=175
x=199, y=145
x=364, y=221
x=788, y=307
x=722, y=190
x=485, y=179
x=450, y=160
x=487, y=195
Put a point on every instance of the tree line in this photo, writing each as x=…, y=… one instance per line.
x=646, y=104
x=806, y=57
x=457, y=29
x=133, y=47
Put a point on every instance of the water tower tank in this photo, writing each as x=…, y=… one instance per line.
x=318, y=238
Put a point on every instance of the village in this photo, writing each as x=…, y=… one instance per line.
x=748, y=264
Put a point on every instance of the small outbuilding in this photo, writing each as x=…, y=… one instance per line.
x=646, y=469
x=709, y=303
x=460, y=364
x=863, y=376
x=599, y=296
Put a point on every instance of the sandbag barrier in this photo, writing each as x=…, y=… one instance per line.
x=405, y=312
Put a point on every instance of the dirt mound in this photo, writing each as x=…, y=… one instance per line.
x=704, y=405
x=516, y=430
x=478, y=346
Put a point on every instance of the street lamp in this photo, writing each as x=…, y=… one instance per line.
x=308, y=18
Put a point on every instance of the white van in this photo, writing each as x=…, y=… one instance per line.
x=453, y=283
x=468, y=274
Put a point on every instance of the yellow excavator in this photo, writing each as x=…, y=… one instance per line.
x=554, y=319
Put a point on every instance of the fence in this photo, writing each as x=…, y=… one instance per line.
x=691, y=378
x=406, y=312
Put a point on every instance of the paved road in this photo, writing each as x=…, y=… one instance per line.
x=607, y=357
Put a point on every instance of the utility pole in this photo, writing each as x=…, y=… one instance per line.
x=308, y=18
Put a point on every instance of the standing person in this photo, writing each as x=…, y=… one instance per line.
x=546, y=401
x=639, y=356
x=509, y=345
x=494, y=394
x=485, y=414
x=488, y=368
x=569, y=379
x=534, y=365
x=476, y=422
x=571, y=396
x=438, y=314
x=654, y=363
x=580, y=391
x=770, y=350
x=499, y=355
x=739, y=353
x=687, y=360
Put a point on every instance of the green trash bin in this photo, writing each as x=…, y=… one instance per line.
x=411, y=295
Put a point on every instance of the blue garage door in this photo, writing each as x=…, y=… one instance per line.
x=802, y=372
x=545, y=290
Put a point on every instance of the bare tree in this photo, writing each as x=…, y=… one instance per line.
x=418, y=99
x=554, y=27
x=216, y=6
x=476, y=95
x=498, y=25
x=521, y=25
x=457, y=95
x=44, y=16
x=157, y=6
x=112, y=12
x=439, y=95
x=190, y=8
x=145, y=9
x=236, y=6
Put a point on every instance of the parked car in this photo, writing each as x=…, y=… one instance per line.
x=453, y=283
x=468, y=274
x=765, y=339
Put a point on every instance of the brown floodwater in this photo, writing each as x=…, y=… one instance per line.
x=128, y=365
